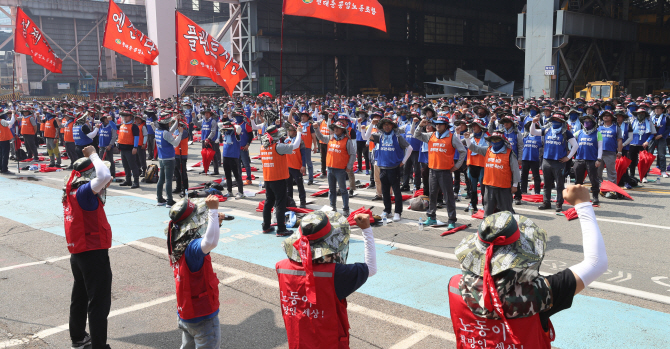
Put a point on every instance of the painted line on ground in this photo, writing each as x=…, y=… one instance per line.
x=350, y=306
x=411, y=340
x=50, y=260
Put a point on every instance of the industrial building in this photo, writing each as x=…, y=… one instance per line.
x=583, y=40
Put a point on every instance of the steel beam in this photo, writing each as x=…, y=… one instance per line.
x=600, y=58
x=579, y=69
x=590, y=26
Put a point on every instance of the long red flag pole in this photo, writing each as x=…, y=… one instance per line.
x=281, y=59
x=182, y=165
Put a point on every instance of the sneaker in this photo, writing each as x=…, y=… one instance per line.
x=544, y=206
x=7, y=172
x=357, y=171
x=284, y=233
x=396, y=217
x=517, y=202
x=451, y=226
x=559, y=208
x=303, y=204
x=161, y=202
x=351, y=192
x=310, y=183
x=135, y=185
x=404, y=188
x=467, y=209
x=440, y=204
x=372, y=186
x=610, y=195
x=367, y=172
x=170, y=204
x=239, y=196
x=82, y=343
x=429, y=221
x=644, y=180
x=247, y=182
x=377, y=198
x=269, y=230
x=627, y=186
x=665, y=175
x=190, y=142
x=176, y=191
x=346, y=213
x=126, y=184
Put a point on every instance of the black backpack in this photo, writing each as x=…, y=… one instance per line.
x=21, y=155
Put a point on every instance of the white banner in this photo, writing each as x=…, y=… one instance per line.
x=63, y=85
x=36, y=85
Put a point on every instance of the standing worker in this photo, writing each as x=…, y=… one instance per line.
x=296, y=166
x=181, y=157
x=141, y=156
x=89, y=238
x=500, y=300
x=589, y=154
x=210, y=136
x=192, y=233
x=391, y=152
x=443, y=145
x=51, y=133
x=28, y=129
x=510, y=130
x=275, y=172
x=501, y=173
x=68, y=138
x=82, y=134
x=316, y=272
x=340, y=159
x=166, y=140
x=556, y=138
x=107, y=141
x=231, y=157
x=5, y=138
x=129, y=140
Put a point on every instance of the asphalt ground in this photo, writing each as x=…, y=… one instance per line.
x=405, y=305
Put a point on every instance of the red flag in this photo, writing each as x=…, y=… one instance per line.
x=362, y=12
x=28, y=39
x=122, y=36
x=198, y=54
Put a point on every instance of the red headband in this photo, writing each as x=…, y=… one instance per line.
x=303, y=247
x=490, y=293
x=189, y=210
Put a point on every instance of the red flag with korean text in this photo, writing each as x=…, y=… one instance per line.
x=28, y=39
x=198, y=54
x=362, y=12
x=122, y=37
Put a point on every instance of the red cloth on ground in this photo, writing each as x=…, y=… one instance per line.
x=221, y=198
x=207, y=157
x=479, y=214
x=532, y=186
x=261, y=192
x=532, y=198
x=320, y=193
x=257, y=157
x=196, y=188
x=457, y=229
x=606, y=186
x=120, y=174
x=318, y=175
x=655, y=171
x=404, y=198
x=299, y=210
x=244, y=177
x=360, y=210
x=253, y=169
x=197, y=164
x=49, y=169
x=570, y=214
x=418, y=192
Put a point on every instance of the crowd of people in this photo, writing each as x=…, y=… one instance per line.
x=502, y=293
x=491, y=145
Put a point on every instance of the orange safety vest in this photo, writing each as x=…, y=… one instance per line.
x=141, y=142
x=476, y=160
x=42, y=126
x=337, y=156
x=441, y=152
x=182, y=148
x=325, y=131
x=295, y=159
x=5, y=133
x=275, y=165
x=67, y=135
x=497, y=172
x=26, y=127
x=49, y=129
x=371, y=144
x=306, y=134
x=126, y=134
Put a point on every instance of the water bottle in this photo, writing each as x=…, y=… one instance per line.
x=567, y=180
x=384, y=220
x=420, y=224
x=260, y=186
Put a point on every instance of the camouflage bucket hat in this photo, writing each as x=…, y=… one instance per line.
x=335, y=243
x=84, y=171
x=526, y=253
x=187, y=215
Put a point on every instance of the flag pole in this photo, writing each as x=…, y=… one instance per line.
x=182, y=165
x=16, y=153
x=97, y=79
x=281, y=59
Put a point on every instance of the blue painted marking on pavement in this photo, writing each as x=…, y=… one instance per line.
x=591, y=323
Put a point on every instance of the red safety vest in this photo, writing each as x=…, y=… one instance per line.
x=197, y=292
x=477, y=332
x=85, y=230
x=324, y=325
